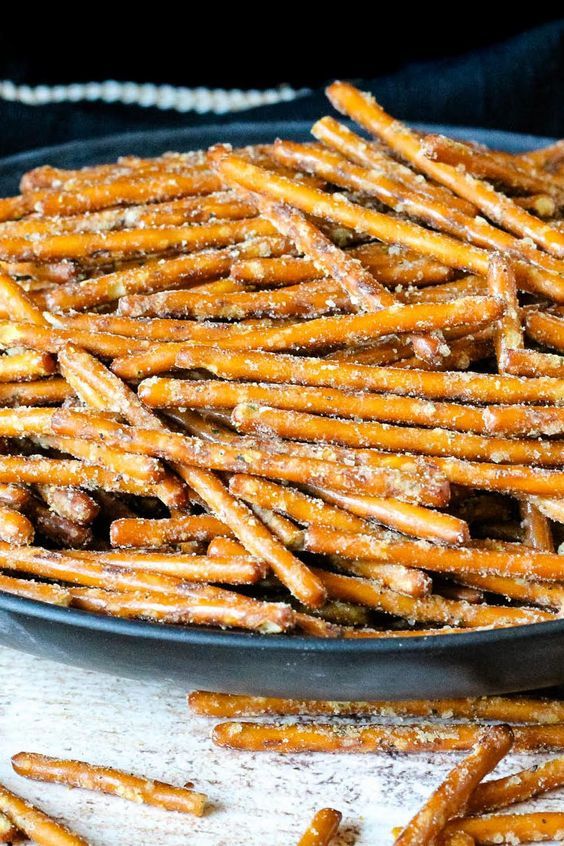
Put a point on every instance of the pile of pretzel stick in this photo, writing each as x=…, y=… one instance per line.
x=463, y=811
x=299, y=387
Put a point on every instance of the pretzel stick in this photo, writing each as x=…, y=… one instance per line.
x=502, y=792
x=515, y=561
x=451, y=797
x=426, y=609
x=485, y=164
x=15, y=496
x=538, y=534
x=12, y=207
x=121, y=192
x=307, y=510
x=156, y=275
x=407, y=268
x=364, y=291
x=412, y=464
x=156, y=329
x=266, y=421
x=281, y=527
x=8, y=832
x=191, y=451
x=70, y=503
x=240, y=569
x=18, y=304
x=504, y=708
x=444, y=248
x=135, y=466
x=542, y=205
x=437, y=213
x=223, y=206
x=339, y=137
x=109, y=780
x=308, y=299
x=499, y=208
x=208, y=394
x=14, y=527
x=468, y=387
x=44, y=392
x=509, y=334
x=422, y=737
x=533, y=363
x=531, y=593
x=254, y=535
x=53, y=594
x=322, y=828
x=13, y=334
x=59, y=530
x=511, y=828
x=546, y=329
x=133, y=242
x=409, y=519
x=138, y=532
x=513, y=478
x=545, y=157
x=36, y=825
x=25, y=366
x=336, y=331
x=224, y=610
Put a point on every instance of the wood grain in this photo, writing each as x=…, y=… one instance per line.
x=257, y=800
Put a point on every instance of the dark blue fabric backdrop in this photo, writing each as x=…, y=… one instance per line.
x=516, y=85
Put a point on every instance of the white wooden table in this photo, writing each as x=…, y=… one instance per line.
x=257, y=800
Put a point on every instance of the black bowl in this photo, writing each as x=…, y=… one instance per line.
x=467, y=664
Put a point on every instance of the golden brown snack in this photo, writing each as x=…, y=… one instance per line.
x=109, y=780
x=322, y=828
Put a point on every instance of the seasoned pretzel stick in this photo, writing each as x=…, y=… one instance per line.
x=204, y=608
x=22, y=367
x=510, y=828
x=15, y=527
x=70, y=503
x=133, y=242
x=425, y=609
x=486, y=164
x=339, y=137
x=451, y=797
x=322, y=828
x=53, y=594
x=191, y=451
x=505, y=708
x=409, y=519
x=422, y=737
x=308, y=299
x=515, y=561
x=531, y=593
x=15, y=496
x=121, y=192
x=538, y=533
x=518, y=787
x=139, y=532
x=223, y=206
x=438, y=214
x=136, y=466
x=192, y=393
x=240, y=569
x=109, y=780
x=47, y=339
x=407, y=268
x=35, y=824
x=546, y=329
x=45, y=392
x=499, y=208
x=254, y=535
x=468, y=387
x=533, y=363
x=340, y=329
x=509, y=334
x=157, y=275
x=18, y=304
x=8, y=832
x=266, y=421
x=61, y=531
x=364, y=291
x=444, y=248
